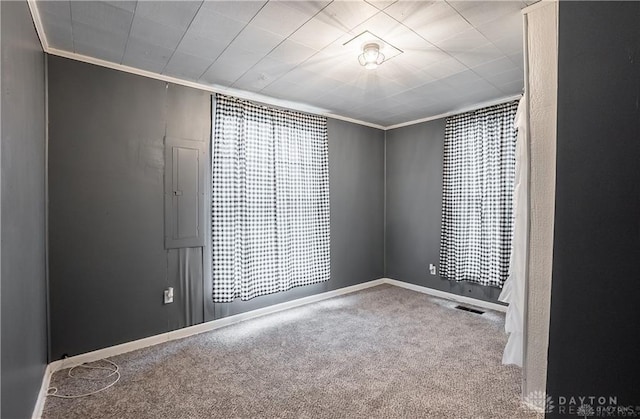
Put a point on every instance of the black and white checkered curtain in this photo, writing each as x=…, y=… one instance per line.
x=477, y=199
x=270, y=200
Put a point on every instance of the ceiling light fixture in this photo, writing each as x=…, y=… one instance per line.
x=371, y=56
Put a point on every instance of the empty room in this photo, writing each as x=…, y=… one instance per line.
x=320, y=209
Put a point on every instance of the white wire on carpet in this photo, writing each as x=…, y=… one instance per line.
x=114, y=370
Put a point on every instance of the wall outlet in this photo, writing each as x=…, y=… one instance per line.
x=432, y=269
x=168, y=295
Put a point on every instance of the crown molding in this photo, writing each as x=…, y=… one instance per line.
x=457, y=111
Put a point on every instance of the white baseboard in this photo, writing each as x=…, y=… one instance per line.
x=42, y=394
x=447, y=295
x=227, y=321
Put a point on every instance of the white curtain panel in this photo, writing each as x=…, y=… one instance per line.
x=513, y=291
x=270, y=200
x=477, y=199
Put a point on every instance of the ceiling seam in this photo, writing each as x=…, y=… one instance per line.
x=182, y=37
x=281, y=42
x=126, y=45
x=73, y=37
x=231, y=42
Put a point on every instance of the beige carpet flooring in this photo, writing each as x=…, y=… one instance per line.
x=384, y=352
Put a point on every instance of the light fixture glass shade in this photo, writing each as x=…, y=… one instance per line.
x=371, y=56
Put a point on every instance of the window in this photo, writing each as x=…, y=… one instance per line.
x=270, y=200
x=477, y=199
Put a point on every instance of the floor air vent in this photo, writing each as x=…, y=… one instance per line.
x=470, y=310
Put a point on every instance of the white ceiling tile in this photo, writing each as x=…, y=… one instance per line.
x=309, y=7
x=350, y=92
x=517, y=58
x=208, y=49
x=471, y=99
x=307, y=78
x=509, y=44
x=505, y=26
x=380, y=25
x=316, y=34
x=302, y=93
x=62, y=40
x=99, y=15
x=480, y=12
x=178, y=14
x=493, y=67
x=403, y=75
x=373, y=112
x=300, y=76
x=60, y=9
x=156, y=33
x=252, y=81
x=436, y=21
x=443, y=68
x=462, y=78
x=99, y=38
x=328, y=100
x=346, y=15
x=402, y=10
x=375, y=86
x=480, y=88
x=422, y=95
x=513, y=88
x=212, y=25
x=463, y=41
x=262, y=74
x=325, y=84
x=272, y=69
x=405, y=39
x=421, y=58
x=91, y=50
x=186, y=66
x=338, y=47
x=292, y=52
x=257, y=41
x=381, y=4
x=343, y=68
x=219, y=77
x=506, y=77
x=435, y=89
x=145, y=55
x=278, y=18
x=283, y=89
x=58, y=30
x=478, y=56
x=129, y=6
x=241, y=11
x=230, y=66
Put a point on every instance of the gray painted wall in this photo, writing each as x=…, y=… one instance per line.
x=595, y=315
x=24, y=334
x=108, y=266
x=414, y=207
